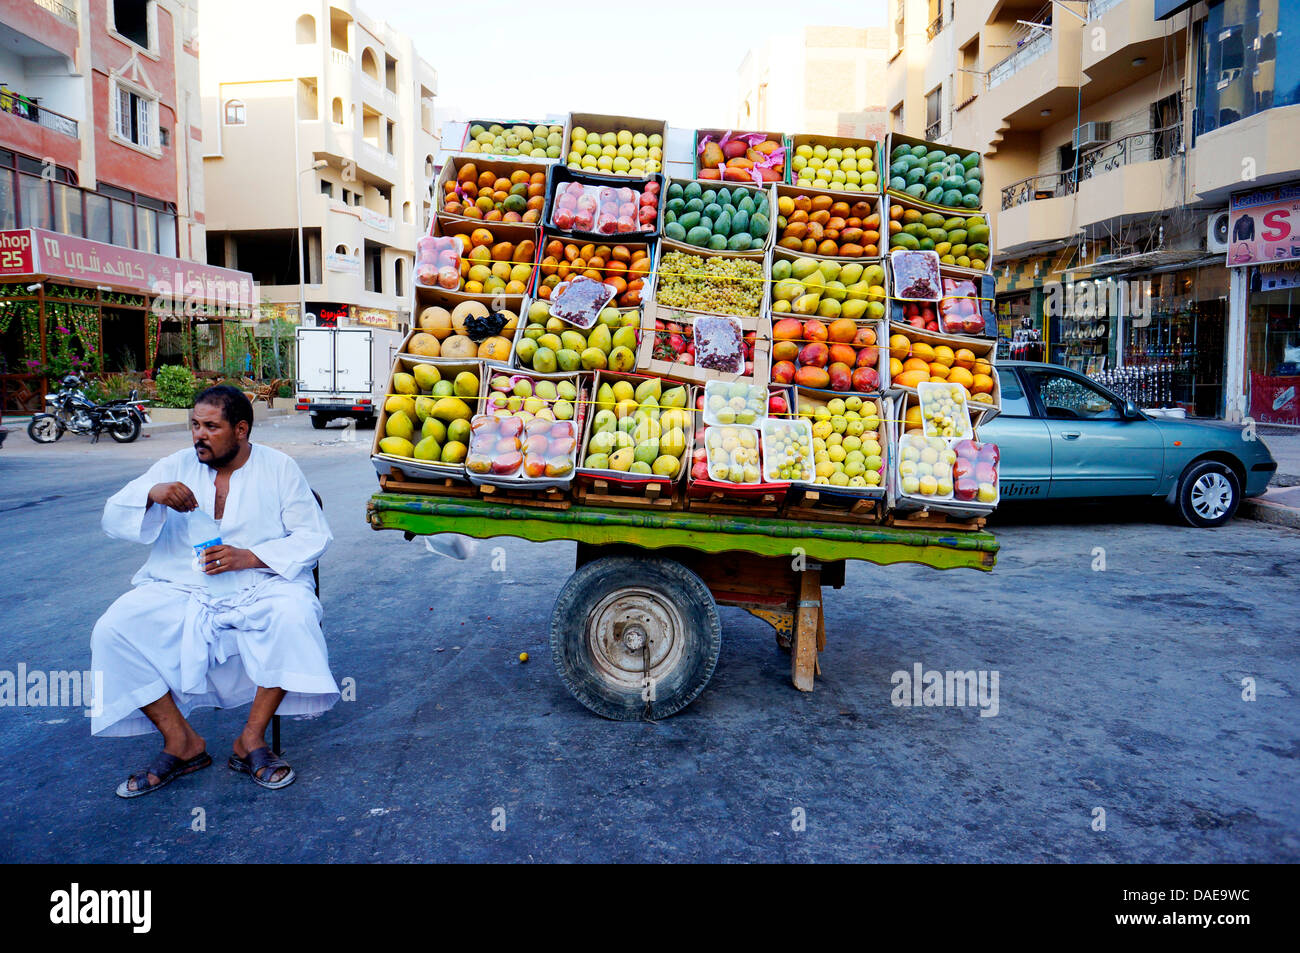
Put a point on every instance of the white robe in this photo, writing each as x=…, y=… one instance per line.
x=169, y=633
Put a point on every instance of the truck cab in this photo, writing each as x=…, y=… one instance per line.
x=335, y=377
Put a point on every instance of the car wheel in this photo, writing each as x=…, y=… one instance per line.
x=1208, y=494
x=318, y=421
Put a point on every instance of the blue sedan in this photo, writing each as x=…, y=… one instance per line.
x=1064, y=436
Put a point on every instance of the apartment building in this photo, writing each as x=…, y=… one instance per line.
x=1117, y=134
x=819, y=79
x=101, y=192
x=316, y=118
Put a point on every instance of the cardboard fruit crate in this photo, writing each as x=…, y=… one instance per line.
x=521, y=330
x=985, y=348
x=647, y=363
x=840, y=142
x=620, y=480
x=780, y=347
x=562, y=122
x=665, y=246
x=550, y=264
x=790, y=194
x=893, y=201
x=896, y=139
x=413, y=470
x=836, y=496
x=422, y=296
x=767, y=191
x=501, y=168
x=721, y=135
x=485, y=354
x=602, y=123
x=924, y=511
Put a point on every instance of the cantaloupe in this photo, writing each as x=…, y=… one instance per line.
x=459, y=346
x=425, y=345
x=436, y=320
x=466, y=310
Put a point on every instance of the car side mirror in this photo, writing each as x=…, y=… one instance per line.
x=1131, y=411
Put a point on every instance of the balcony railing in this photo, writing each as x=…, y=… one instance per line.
x=16, y=104
x=1029, y=50
x=1146, y=146
x=341, y=58
x=936, y=25
x=61, y=10
x=1097, y=7
x=934, y=130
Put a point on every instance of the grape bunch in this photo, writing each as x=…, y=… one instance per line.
x=723, y=285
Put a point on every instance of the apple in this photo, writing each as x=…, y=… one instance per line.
x=964, y=488
x=700, y=470
x=989, y=453
x=986, y=473
x=963, y=468
x=777, y=406
x=865, y=379
x=967, y=448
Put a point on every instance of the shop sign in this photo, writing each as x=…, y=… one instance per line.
x=1264, y=226
x=1274, y=400
x=16, y=255
x=375, y=220
x=1275, y=277
x=374, y=318
x=346, y=264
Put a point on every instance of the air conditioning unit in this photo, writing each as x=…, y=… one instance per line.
x=1216, y=232
x=1091, y=134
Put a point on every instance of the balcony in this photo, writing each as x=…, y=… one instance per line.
x=16, y=104
x=342, y=58
x=1131, y=32
x=936, y=26
x=61, y=10
x=1026, y=52
x=1262, y=145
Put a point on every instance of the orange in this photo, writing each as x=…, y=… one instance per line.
x=960, y=375
x=982, y=367
x=944, y=355
x=518, y=176
x=983, y=384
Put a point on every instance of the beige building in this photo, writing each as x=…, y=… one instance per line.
x=315, y=109
x=1113, y=141
x=821, y=79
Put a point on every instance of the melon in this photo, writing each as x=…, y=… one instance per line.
x=424, y=344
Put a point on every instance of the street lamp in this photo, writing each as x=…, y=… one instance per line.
x=302, y=274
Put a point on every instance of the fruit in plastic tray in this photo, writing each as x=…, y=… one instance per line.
x=626, y=267
x=734, y=402
x=787, y=450
x=718, y=284
x=723, y=219
x=936, y=175
x=848, y=441
x=517, y=396
x=534, y=447
x=823, y=225
x=975, y=471
x=733, y=454
x=914, y=362
x=925, y=466
x=675, y=342
x=836, y=168
x=841, y=355
x=550, y=344
x=943, y=410
x=618, y=152
x=518, y=197
x=960, y=307
x=828, y=289
x=487, y=265
x=609, y=211
x=956, y=240
x=541, y=141
x=640, y=427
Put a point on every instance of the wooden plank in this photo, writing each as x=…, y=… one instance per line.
x=803, y=655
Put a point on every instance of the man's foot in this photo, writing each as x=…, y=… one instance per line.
x=266, y=769
x=244, y=745
x=164, y=769
x=190, y=748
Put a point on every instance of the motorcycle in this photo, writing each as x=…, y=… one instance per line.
x=72, y=411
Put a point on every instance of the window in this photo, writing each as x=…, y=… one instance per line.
x=327, y=188
x=1014, y=401
x=35, y=195
x=306, y=29
x=933, y=112
x=98, y=223
x=137, y=118
x=131, y=19
x=374, y=267
x=123, y=215
x=1239, y=73
x=236, y=115
x=370, y=64
x=399, y=277
x=8, y=200
x=1066, y=397
x=67, y=209
x=390, y=74
x=167, y=234
x=1167, y=121
x=336, y=111
x=146, y=221
x=390, y=136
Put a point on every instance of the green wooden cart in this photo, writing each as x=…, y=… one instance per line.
x=634, y=632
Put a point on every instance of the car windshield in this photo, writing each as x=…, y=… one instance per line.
x=1066, y=397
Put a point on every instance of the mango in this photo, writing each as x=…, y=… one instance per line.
x=465, y=385
x=399, y=425
x=400, y=402
x=597, y=461
x=426, y=375
x=622, y=459
x=450, y=408
x=454, y=452
x=396, y=446
x=428, y=449
x=404, y=384
x=435, y=428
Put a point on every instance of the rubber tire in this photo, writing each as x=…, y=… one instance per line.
x=318, y=421
x=1183, y=500
x=367, y=423
x=31, y=424
x=132, y=431
x=676, y=584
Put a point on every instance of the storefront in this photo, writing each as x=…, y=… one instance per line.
x=1264, y=255
x=1023, y=332
x=70, y=304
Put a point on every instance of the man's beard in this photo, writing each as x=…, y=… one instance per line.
x=217, y=462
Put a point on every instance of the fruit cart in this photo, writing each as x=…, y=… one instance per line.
x=635, y=631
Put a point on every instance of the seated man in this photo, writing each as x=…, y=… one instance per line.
x=245, y=629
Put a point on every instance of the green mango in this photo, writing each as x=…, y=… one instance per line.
x=722, y=224
x=713, y=210
x=951, y=197
x=739, y=241
x=740, y=222
x=692, y=190
x=717, y=241
x=674, y=190
x=695, y=205
x=699, y=235
x=917, y=190
x=708, y=195
x=675, y=231
x=970, y=201
x=689, y=220
x=934, y=195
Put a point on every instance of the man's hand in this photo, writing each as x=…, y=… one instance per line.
x=175, y=495
x=223, y=558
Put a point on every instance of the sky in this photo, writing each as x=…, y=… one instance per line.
x=675, y=60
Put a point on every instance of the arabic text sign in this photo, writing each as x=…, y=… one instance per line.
x=16, y=255
x=1264, y=226
x=374, y=317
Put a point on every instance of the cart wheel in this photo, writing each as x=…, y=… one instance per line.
x=634, y=637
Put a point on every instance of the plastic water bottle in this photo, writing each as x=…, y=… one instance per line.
x=204, y=533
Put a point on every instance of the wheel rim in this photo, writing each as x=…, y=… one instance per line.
x=45, y=429
x=621, y=624
x=1211, y=495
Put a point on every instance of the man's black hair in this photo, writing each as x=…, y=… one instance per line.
x=234, y=404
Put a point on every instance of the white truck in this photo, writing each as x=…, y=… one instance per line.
x=336, y=375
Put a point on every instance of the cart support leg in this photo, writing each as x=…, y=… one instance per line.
x=808, y=611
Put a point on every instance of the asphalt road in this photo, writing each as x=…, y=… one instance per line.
x=1120, y=689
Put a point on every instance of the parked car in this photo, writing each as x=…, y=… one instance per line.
x=1064, y=436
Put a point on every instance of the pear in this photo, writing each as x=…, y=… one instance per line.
x=835, y=290
x=787, y=289
x=624, y=337
x=673, y=397
x=857, y=291
x=806, y=304
x=815, y=282
x=853, y=309
x=780, y=269
x=651, y=388
x=850, y=273
x=830, y=270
